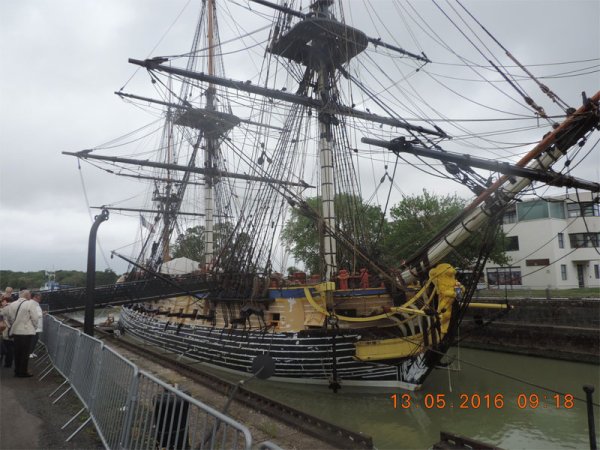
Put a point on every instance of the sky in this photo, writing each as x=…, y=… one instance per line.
x=63, y=59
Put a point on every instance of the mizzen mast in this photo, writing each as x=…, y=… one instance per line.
x=167, y=199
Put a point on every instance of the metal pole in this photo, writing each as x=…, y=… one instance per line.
x=88, y=322
x=589, y=390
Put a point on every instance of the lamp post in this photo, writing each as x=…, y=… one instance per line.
x=88, y=322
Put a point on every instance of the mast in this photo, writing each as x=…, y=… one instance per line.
x=332, y=107
x=211, y=145
x=167, y=205
x=215, y=172
x=457, y=161
x=165, y=196
x=326, y=159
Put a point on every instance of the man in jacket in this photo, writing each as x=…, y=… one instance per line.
x=37, y=297
x=23, y=318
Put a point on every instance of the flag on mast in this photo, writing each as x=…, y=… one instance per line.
x=146, y=224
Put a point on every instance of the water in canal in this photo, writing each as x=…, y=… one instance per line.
x=473, y=402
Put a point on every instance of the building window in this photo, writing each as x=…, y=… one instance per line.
x=537, y=262
x=512, y=243
x=497, y=276
x=510, y=216
x=580, y=240
x=557, y=209
x=583, y=209
x=597, y=271
x=561, y=240
x=537, y=209
x=563, y=272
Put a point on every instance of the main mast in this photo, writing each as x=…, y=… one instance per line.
x=323, y=45
x=326, y=159
x=211, y=146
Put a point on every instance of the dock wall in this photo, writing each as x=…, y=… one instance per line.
x=567, y=329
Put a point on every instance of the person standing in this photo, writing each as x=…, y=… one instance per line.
x=23, y=318
x=8, y=294
x=364, y=278
x=3, y=326
x=37, y=297
x=7, y=346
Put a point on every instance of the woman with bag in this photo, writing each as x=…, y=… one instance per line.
x=23, y=317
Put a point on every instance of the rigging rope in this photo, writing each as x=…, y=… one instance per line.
x=158, y=43
x=543, y=87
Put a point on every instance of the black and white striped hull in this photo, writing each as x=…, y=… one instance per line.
x=300, y=359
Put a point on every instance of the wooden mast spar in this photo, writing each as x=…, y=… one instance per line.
x=211, y=145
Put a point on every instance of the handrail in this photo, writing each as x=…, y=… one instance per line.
x=129, y=407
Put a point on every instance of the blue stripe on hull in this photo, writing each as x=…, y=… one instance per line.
x=299, y=292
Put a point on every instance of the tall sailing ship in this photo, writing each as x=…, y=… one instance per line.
x=238, y=159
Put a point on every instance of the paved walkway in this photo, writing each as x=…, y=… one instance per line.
x=29, y=420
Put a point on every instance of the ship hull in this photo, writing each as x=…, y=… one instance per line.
x=298, y=357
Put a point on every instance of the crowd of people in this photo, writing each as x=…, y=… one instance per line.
x=21, y=323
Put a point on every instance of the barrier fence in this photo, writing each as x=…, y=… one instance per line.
x=132, y=409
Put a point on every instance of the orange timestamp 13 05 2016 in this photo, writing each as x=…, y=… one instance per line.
x=476, y=400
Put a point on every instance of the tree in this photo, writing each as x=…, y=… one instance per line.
x=301, y=237
x=35, y=280
x=353, y=217
x=18, y=280
x=190, y=244
x=71, y=277
x=227, y=245
x=417, y=218
x=292, y=270
x=106, y=277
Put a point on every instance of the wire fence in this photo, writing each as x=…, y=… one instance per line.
x=132, y=409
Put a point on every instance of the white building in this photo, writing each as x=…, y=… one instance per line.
x=552, y=243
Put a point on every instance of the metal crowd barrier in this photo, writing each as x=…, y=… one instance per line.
x=132, y=409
